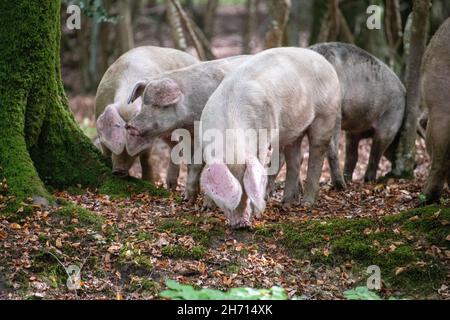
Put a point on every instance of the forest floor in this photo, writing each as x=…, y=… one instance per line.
x=128, y=245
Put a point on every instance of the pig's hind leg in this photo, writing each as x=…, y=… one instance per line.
x=383, y=136
x=147, y=172
x=440, y=159
x=351, y=154
x=333, y=159
x=319, y=134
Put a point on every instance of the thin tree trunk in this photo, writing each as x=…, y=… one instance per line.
x=199, y=40
x=83, y=49
x=209, y=18
x=329, y=30
x=406, y=151
x=250, y=26
x=393, y=30
x=125, y=26
x=175, y=27
x=276, y=36
x=105, y=43
x=294, y=24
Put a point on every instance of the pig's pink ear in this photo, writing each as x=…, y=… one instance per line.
x=162, y=93
x=255, y=182
x=221, y=186
x=138, y=90
x=137, y=144
x=111, y=129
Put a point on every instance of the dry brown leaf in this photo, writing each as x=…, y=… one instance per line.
x=399, y=270
x=15, y=226
x=58, y=243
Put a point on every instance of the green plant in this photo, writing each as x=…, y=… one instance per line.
x=177, y=291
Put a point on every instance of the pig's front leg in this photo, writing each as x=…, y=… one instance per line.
x=147, y=172
x=270, y=190
x=173, y=172
x=193, y=182
x=292, y=188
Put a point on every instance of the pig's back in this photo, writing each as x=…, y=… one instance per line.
x=278, y=88
x=284, y=77
x=132, y=66
x=368, y=86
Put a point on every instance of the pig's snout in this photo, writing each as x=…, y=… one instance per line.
x=120, y=173
x=133, y=131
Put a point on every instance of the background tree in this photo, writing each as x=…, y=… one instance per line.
x=277, y=34
x=406, y=151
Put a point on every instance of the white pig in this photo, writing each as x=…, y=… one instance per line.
x=175, y=100
x=113, y=110
x=290, y=90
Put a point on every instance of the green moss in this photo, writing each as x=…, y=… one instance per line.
x=389, y=243
x=48, y=269
x=180, y=252
x=143, y=236
x=232, y=268
x=146, y=287
x=129, y=255
x=202, y=230
x=125, y=188
x=85, y=217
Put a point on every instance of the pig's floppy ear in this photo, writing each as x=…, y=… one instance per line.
x=111, y=129
x=221, y=186
x=255, y=182
x=162, y=93
x=138, y=90
x=137, y=144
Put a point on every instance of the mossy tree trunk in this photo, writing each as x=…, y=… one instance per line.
x=406, y=150
x=40, y=142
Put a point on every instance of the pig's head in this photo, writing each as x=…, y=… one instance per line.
x=111, y=129
x=159, y=114
x=112, y=137
x=239, y=190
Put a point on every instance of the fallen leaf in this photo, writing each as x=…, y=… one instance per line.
x=15, y=226
x=58, y=243
x=114, y=249
x=399, y=270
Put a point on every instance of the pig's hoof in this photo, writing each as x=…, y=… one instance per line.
x=308, y=205
x=290, y=201
x=190, y=199
x=41, y=202
x=286, y=206
x=172, y=185
x=208, y=204
x=348, y=177
x=340, y=185
x=241, y=225
x=370, y=177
